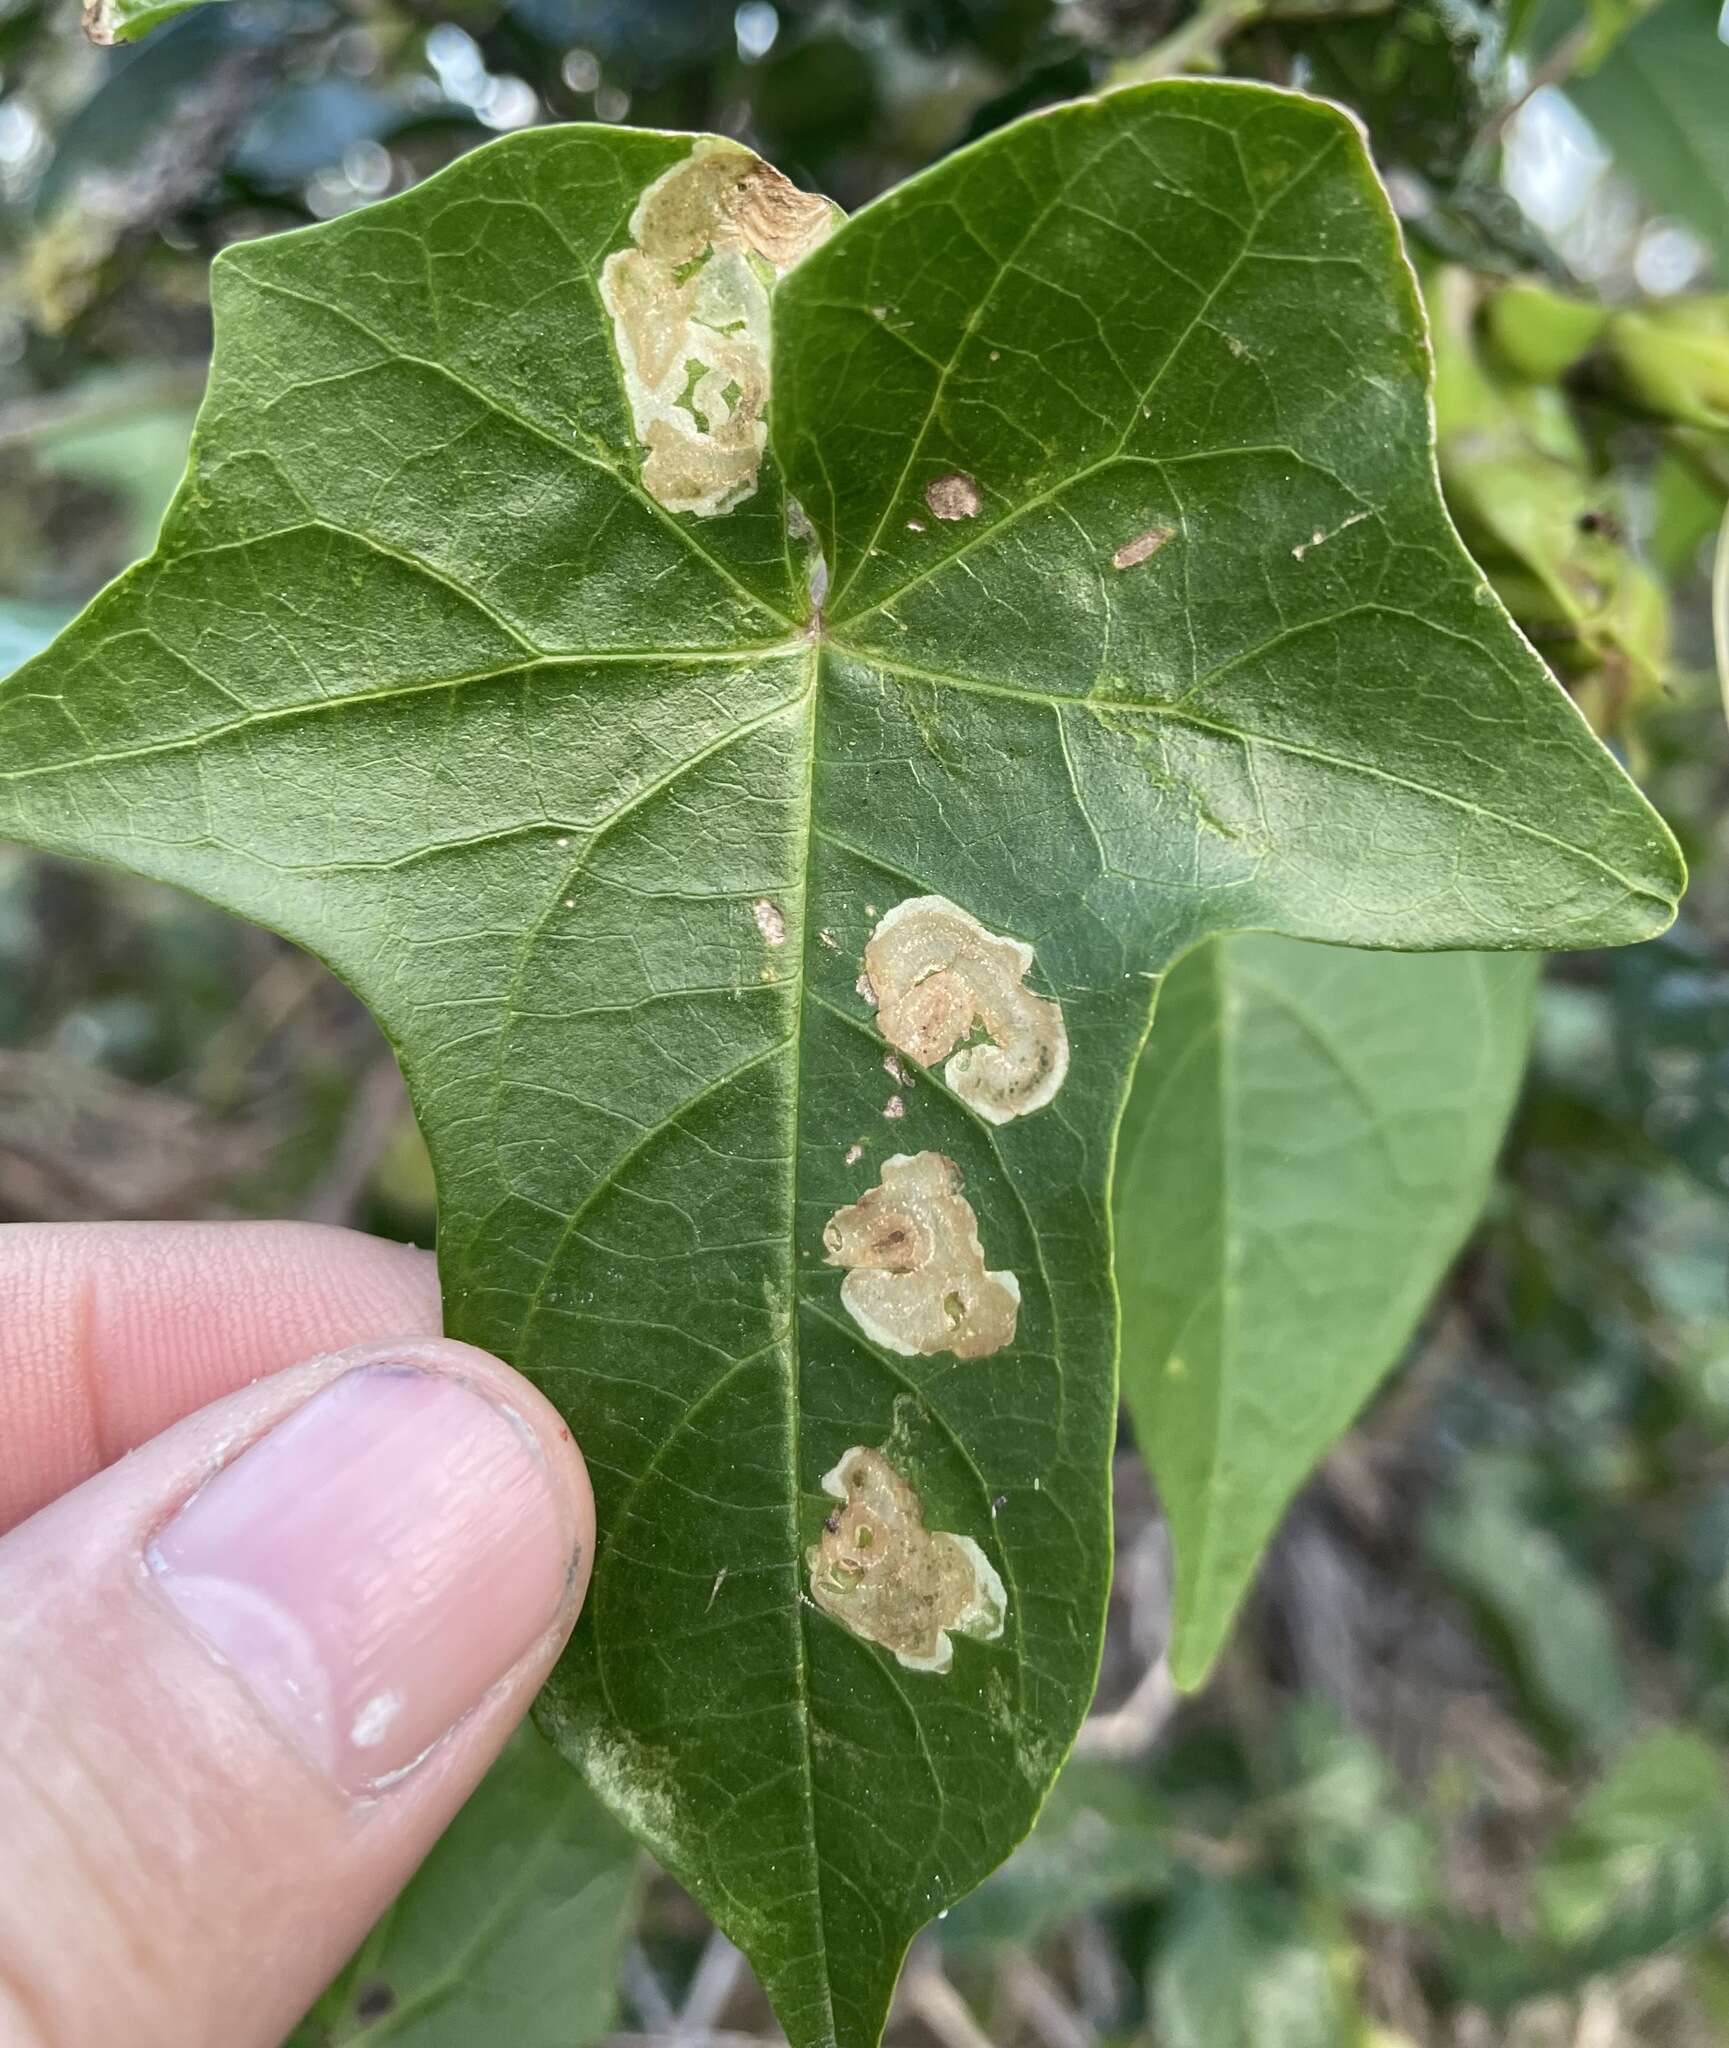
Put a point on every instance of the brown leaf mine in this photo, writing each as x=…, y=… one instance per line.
x=881, y=1573
x=916, y=1281
x=938, y=977
x=690, y=313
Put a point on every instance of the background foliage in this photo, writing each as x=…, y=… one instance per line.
x=1458, y=1777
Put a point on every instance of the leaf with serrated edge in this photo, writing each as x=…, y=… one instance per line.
x=1309, y=1137
x=598, y=812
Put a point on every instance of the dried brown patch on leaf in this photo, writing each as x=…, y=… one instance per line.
x=916, y=1281
x=689, y=301
x=881, y=1573
x=776, y=219
x=954, y=496
x=939, y=976
x=1142, y=548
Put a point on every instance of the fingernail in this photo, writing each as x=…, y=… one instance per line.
x=374, y=1565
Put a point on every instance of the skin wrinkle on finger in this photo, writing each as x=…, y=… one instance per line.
x=110, y=1332
x=172, y=1871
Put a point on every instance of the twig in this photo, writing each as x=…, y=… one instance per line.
x=288, y=980
x=929, y=1996
x=1133, y=1729
x=716, y=1979
x=1101, y=1979
x=1043, y=2006
x=164, y=387
x=1199, y=41
x=379, y=1100
x=1199, y=45
x=1555, y=69
x=643, y=1988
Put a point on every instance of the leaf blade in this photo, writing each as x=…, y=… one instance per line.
x=1309, y=1139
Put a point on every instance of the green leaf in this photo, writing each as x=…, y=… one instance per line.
x=1658, y=102
x=1239, y=1968
x=599, y=810
x=510, y=1930
x=1653, y=1829
x=1309, y=1138
x=1548, y=1617
x=1103, y=1837
x=1643, y=1865
x=1343, y=1822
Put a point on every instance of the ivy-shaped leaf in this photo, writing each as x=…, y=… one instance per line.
x=1136, y=615
x=1309, y=1138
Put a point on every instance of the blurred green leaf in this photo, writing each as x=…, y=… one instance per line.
x=140, y=457
x=1309, y=1137
x=1671, y=1025
x=509, y=1933
x=1650, y=1842
x=1642, y=1866
x=1238, y=1967
x=1344, y=1819
x=1521, y=482
x=1689, y=497
x=1550, y=1620
x=1672, y=357
x=1537, y=332
x=1660, y=101
x=1102, y=1838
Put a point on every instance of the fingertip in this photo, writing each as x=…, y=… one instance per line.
x=508, y=1390
x=266, y=1657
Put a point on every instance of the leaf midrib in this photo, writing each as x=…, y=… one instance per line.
x=795, y=1349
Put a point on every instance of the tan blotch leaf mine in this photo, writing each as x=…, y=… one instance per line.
x=939, y=976
x=690, y=313
x=881, y=1573
x=955, y=496
x=1142, y=548
x=916, y=1281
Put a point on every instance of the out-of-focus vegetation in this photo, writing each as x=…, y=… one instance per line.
x=1460, y=1779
